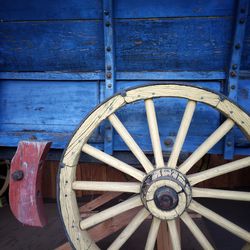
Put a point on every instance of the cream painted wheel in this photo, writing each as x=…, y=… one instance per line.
x=159, y=189
x=4, y=177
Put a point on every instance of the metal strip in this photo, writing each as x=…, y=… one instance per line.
x=109, y=66
x=234, y=68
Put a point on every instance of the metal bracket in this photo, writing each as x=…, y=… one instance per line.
x=109, y=66
x=234, y=68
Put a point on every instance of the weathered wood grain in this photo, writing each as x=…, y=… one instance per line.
x=78, y=45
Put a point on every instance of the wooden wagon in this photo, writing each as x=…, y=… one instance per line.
x=168, y=82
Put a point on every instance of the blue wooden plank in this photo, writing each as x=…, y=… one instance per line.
x=16, y=10
x=172, y=8
x=46, y=46
x=187, y=44
x=54, y=108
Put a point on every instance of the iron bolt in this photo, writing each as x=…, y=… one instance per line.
x=234, y=66
x=237, y=46
x=109, y=85
x=106, y=13
x=17, y=175
x=108, y=75
x=109, y=67
x=229, y=143
x=108, y=49
x=107, y=24
x=233, y=74
x=233, y=87
x=168, y=142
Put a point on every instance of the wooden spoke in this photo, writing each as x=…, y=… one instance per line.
x=130, y=187
x=219, y=220
x=217, y=171
x=220, y=194
x=113, y=162
x=110, y=212
x=154, y=132
x=132, y=145
x=200, y=237
x=182, y=133
x=174, y=236
x=206, y=145
x=130, y=229
x=152, y=235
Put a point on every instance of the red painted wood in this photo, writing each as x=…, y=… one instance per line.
x=25, y=197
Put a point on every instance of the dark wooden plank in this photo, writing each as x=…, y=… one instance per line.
x=185, y=44
x=53, y=10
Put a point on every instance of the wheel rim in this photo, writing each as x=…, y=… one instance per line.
x=77, y=228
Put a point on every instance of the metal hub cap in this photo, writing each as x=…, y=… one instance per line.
x=166, y=193
x=166, y=198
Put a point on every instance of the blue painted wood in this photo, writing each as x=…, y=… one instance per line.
x=195, y=44
x=16, y=10
x=231, y=86
x=46, y=108
x=88, y=76
x=51, y=111
x=59, y=47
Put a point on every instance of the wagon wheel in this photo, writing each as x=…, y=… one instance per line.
x=4, y=176
x=165, y=191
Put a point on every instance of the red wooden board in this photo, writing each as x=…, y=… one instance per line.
x=25, y=195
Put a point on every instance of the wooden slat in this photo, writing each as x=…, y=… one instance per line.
x=99, y=201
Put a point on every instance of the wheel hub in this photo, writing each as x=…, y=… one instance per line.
x=166, y=193
x=166, y=198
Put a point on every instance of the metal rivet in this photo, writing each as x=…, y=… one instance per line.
x=108, y=75
x=107, y=24
x=237, y=46
x=242, y=20
x=109, y=85
x=229, y=143
x=66, y=195
x=233, y=74
x=17, y=175
x=108, y=49
x=202, y=97
x=168, y=142
x=234, y=66
x=231, y=112
x=233, y=87
x=66, y=182
x=109, y=67
x=106, y=13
